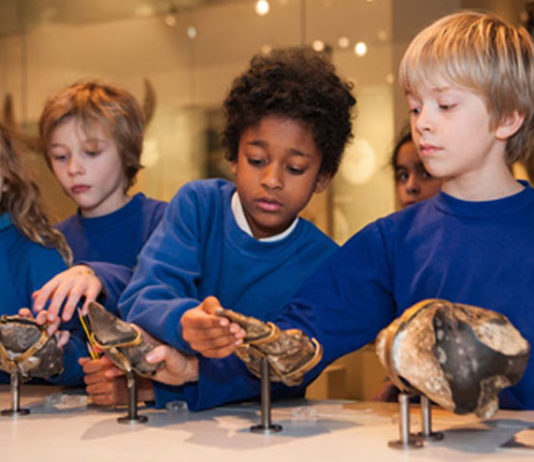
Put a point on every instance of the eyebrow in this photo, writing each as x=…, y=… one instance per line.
x=293, y=151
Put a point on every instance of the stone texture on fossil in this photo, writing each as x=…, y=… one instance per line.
x=122, y=342
x=290, y=353
x=459, y=356
x=28, y=348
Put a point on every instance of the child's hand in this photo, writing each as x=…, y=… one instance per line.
x=51, y=328
x=210, y=335
x=106, y=384
x=70, y=285
x=178, y=368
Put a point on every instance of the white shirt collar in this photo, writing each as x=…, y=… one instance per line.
x=239, y=215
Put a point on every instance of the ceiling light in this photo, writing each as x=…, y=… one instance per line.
x=262, y=7
x=192, y=32
x=318, y=45
x=169, y=20
x=343, y=42
x=360, y=49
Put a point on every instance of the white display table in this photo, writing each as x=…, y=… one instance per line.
x=62, y=427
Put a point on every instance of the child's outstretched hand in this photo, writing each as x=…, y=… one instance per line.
x=69, y=287
x=210, y=335
x=51, y=327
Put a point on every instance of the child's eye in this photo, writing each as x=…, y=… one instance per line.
x=58, y=157
x=401, y=176
x=255, y=162
x=415, y=110
x=295, y=170
x=446, y=107
x=92, y=153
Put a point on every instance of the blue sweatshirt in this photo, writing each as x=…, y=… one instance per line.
x=479, y=253
x=24, y=267
x=199, y=250
x=109, y=245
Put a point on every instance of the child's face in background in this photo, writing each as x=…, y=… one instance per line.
x=277, y=171
x=88, y=167
x=451, y=129
x=412, y=182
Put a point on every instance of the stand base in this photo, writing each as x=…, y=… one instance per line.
x=14, y=412
x=130, y=420
x=412, y=443
x=273, y=428
x=432, y=436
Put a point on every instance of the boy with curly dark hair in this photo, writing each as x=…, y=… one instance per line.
x=243, y=245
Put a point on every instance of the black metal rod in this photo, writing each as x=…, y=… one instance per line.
x=265, y=394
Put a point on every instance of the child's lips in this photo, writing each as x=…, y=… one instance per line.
x=80, y=188
x=269, y=205
x=427, y=149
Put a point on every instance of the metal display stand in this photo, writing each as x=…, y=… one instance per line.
x=426, y=422
x=265, y=426
x=407, y=440
x=132, y=416
x=15, y=383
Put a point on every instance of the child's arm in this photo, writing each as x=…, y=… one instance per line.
x=210, y=335
x=171, y=269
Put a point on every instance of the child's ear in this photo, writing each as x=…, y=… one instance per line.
x=509, y=125
x=233, y=165
x=322, y=182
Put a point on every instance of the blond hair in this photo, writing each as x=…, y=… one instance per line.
x=21, y=200
x=482, y=53
x=114, y=108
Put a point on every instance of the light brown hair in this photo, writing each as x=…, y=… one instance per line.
x=113, y=108
x=482, y=53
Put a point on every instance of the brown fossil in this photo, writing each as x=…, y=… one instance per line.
x=290, y=353
x=25, y=346
x=459, y=356
x=122, y=342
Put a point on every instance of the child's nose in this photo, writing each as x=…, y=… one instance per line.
x=272, y=177
x=412, y=185
x=423, y=121
x=74, y=166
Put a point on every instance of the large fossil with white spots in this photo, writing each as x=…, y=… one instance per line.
x=290, y=353
x=459, y=356
x=27, y=348
x=122, y=342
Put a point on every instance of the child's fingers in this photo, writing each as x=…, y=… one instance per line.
x=210, y=305
x=26, y=313
x=42, y=318
x=70, y=305
x=160, y=353
x=95, y=365
x=90, y=296
x=63, y=338
x=237, y=331
x=112, y=372
x=41, y=296
x=219, y=352
x=194, y=336
x=84, y=360
x=223, y=345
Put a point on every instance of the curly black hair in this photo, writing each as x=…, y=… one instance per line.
x=294, y=83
